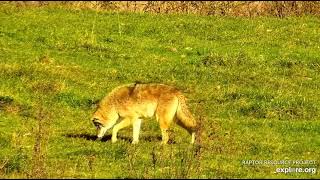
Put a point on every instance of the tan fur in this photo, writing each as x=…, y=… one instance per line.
x=130, y=103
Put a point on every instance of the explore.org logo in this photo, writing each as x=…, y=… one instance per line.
x=290, y=165
x=296, y=170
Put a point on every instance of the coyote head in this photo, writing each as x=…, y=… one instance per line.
x=101, y=129
x=103, y=122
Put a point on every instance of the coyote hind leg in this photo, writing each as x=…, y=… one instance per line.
x=136, y=130
x=165, y=113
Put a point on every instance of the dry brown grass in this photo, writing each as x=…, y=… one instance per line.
x=216, y=8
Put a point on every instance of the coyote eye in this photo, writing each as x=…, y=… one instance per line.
x=97, y=123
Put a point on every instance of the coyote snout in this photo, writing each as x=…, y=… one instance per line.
x=131, y=103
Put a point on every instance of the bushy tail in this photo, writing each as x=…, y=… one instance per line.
x=184, y=116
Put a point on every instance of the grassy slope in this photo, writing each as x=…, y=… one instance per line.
x=254, y=83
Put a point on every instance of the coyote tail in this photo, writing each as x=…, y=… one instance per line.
x=184, y=116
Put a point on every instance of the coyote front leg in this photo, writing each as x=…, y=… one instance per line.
x=124, y=123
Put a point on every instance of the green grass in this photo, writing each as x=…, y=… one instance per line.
x=253, y=83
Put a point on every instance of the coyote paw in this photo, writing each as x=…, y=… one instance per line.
x=113, y=140
x=135, y=142
x=164, y=142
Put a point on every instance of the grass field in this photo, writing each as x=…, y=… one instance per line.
x=253, y=84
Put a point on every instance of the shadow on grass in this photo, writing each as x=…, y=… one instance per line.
x=91, y=137
x=106, y=138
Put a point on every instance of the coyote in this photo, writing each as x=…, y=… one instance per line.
x=130, y=103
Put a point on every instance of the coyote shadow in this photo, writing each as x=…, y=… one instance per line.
x=106, y=138
x=91, y=137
